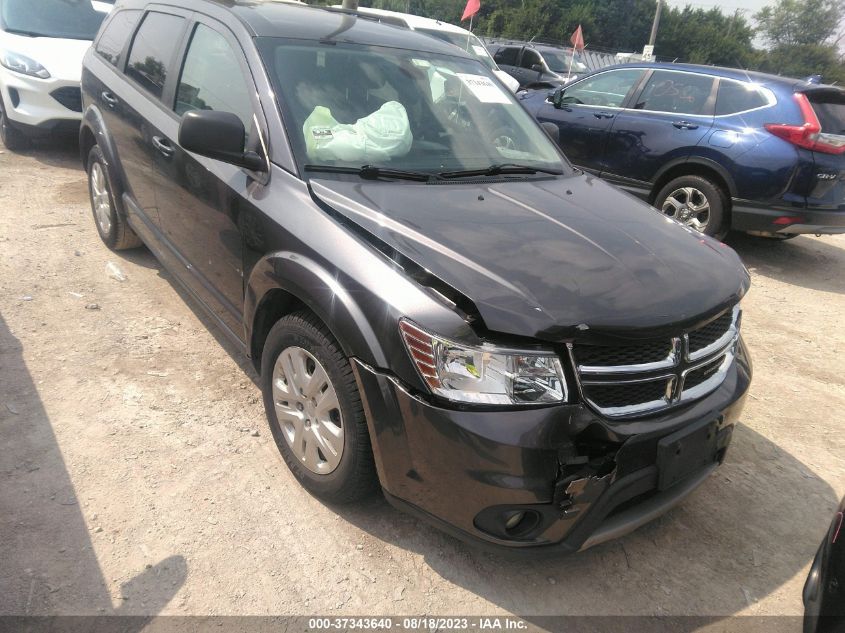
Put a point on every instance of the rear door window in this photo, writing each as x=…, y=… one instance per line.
x=739, y=96
x=153, y=49
x=507, y=56
x=530, y=58
x=115, y=35
x=212, y=78
x=607, y=89
x=671, y=91
x=830, y=110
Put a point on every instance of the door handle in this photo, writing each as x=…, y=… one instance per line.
x=163, y=146
x=685, y=125
x=603, y=115
x=109, y=99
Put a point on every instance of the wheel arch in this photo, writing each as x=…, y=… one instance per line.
x=694, y=167
x=93, y=131
x=284, y=282
x=87, y=141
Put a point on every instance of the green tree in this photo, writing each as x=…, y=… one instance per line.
x=803, y=60
x=705, y=37
x=803, y=38
x=800, y=22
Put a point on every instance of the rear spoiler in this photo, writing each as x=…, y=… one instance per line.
x=822, y=91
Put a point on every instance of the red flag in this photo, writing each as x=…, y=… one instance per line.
x=577, y=39
x=471, y=9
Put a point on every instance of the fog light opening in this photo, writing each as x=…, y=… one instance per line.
x=519, y=522
x=15, y=97
x=513, y=520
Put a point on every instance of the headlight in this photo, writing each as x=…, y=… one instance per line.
x=23, y=64
x=486, y=374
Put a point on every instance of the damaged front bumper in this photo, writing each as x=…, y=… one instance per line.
x=550, y=479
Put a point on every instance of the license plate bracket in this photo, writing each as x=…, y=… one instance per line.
x=686, y=451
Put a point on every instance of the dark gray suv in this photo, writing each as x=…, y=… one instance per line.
x=537, y=66
x=437, y=303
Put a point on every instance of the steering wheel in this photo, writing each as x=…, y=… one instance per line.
x=456, y=112
x=504, y=138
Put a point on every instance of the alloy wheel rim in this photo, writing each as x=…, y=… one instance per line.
x=100, y=199
x=689, y=206
x=308, y=410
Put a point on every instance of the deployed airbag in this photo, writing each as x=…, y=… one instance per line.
x=375, y=138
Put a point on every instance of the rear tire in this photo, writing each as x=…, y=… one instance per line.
x=11, y=136
x=696, y=202
x=111, y=224
x=306, y=435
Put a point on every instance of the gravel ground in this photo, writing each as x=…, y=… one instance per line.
x=138, y=474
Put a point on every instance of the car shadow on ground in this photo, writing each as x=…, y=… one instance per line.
x=805, y=261
x=731, y=543
x=61, y=150
x=49, y=565
x=143, y=257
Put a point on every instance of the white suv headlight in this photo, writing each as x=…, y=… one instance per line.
x=23, y=64
x=486, y=374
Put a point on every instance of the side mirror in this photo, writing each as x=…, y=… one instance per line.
x=218, y=135
x=537, y=68
x=557, y=96
x=552, y=130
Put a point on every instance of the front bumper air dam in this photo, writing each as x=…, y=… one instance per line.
x=36, y=109
x=452, y=467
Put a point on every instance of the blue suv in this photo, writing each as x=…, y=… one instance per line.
x=714, y=148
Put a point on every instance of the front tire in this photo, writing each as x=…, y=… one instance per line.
x=111, y=225
x=696, y=202
x=11, y=136
x=315, y=411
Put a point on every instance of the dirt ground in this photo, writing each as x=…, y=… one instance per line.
x=138, y=474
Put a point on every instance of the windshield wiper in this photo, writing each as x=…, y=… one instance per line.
x=500, y=169
x=371, y=172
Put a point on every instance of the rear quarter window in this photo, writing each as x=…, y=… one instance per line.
x=739, y=96
x=116, y=33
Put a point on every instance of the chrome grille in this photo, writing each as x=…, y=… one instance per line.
x=710, y=333
x=640, y=353
x=645, y=377
x=619, y=397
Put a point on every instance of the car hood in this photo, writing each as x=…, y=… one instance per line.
x=61, y=57
x=554, y=258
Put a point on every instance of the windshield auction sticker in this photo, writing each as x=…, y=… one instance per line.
x=484, y=89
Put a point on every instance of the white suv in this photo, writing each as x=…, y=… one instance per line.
x=42, y=43
x=448, y=33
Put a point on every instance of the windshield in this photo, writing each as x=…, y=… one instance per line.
x=348, y=105
x=467, y=42
x=69, y=19
x=559, y=62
